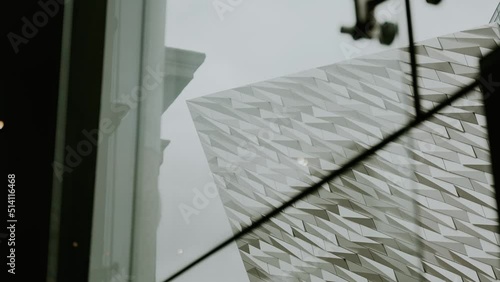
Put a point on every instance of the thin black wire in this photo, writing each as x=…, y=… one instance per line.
x=333, y=175
x=413, y=60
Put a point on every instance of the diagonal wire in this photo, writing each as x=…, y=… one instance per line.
x=413, y=60
x=361, y=157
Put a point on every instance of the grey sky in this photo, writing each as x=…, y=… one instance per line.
x=258, y=40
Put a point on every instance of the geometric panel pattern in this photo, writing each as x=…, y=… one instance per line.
x=422, y=208
x=496, y=15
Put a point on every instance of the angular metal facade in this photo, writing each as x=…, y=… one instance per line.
x=423, y=208
x=496, y=15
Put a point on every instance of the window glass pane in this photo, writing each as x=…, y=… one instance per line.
x=234, y=107
x=223, y=110
x=301, y=103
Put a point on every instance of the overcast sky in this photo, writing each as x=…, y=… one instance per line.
x=254, y=41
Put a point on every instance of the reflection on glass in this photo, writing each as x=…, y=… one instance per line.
x=277, y=137
x=262, y=143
